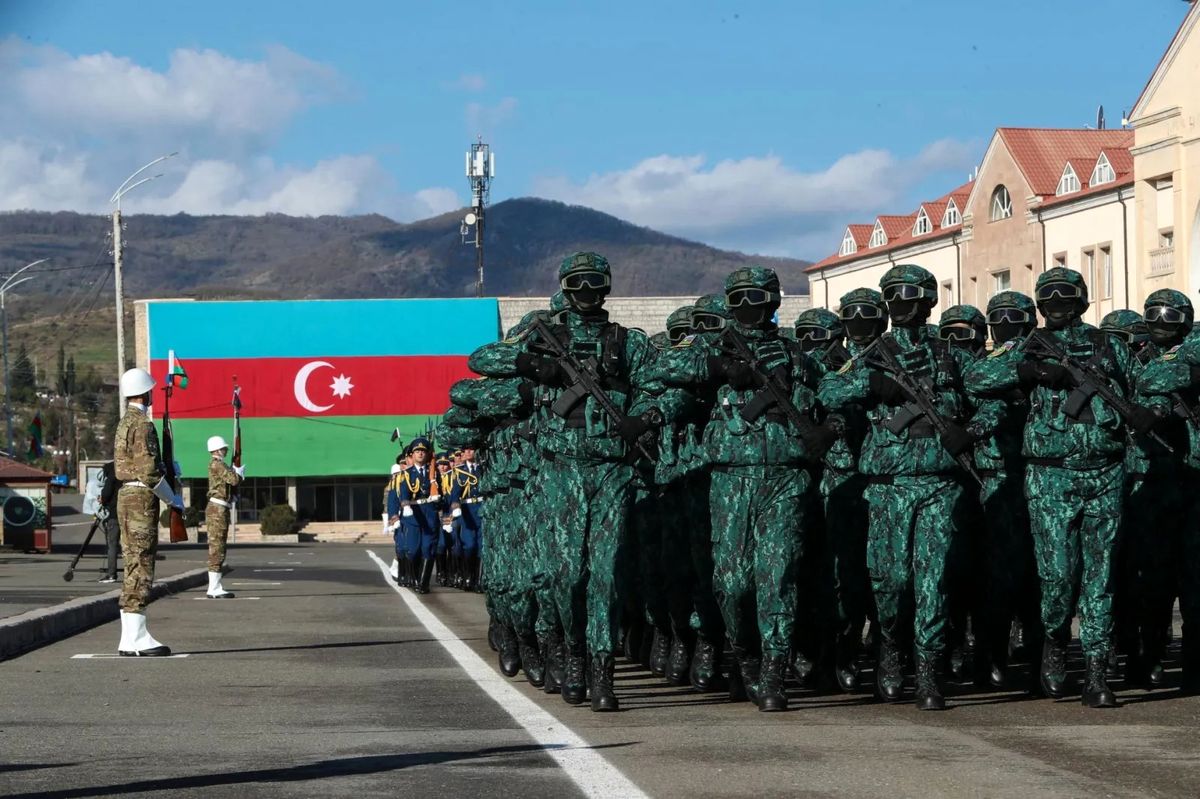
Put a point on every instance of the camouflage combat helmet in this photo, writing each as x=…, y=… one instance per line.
x=963, y=314
x=1062, y=276
x=680, y=317
x=910, y=275
x=584, y=262
x=861, y=296
x=1122, y=321
x=1170, y=298
x=1011, y=299
x=709, y=314
x=753, y=277
x=819, y=317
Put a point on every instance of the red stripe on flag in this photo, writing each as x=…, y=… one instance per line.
x=334, y=386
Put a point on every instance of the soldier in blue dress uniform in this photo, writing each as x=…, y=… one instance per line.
x=466, y=505
x=419, y=494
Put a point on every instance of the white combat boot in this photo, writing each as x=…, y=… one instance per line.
x=142, y=644
x=395, y=572
x=127, y=634
x=215, y=591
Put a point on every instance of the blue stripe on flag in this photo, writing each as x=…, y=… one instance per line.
x=309, y=328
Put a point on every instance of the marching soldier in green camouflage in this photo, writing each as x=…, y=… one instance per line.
x=1074, y=440
x=759, y=486
x=914, y=489
x=222, y=478
x=138, y=465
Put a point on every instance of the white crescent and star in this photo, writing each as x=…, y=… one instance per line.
x=340, y=387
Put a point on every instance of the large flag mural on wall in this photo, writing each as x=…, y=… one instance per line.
x=323, y=382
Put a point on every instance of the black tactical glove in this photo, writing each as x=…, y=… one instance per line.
x=823, y=437
x=1044, y=373
x=887, y=390
x=957, y=440
x=1143, y=419
x=541, y=369
x=633, y=428
x=737, y=374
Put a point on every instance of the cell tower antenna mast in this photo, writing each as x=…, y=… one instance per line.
x=481, y=168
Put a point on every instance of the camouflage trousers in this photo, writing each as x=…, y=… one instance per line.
x=912, y=523
x=758, y=519
x=526, y=565
x=216, y=523
x=1075, y=516
x=846, y=521
x=588, y=505
x=492, y=553
x=697, y=522
x=137, y=516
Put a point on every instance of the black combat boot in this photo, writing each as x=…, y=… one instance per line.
x=552, y=657
x=1096, y=692
x=405, y=579
x=531, y=661
x=660, y=653
x=845, y=665
x=750, y=668
x=574, y=687
x=603, y=698
x=1053, y=672
x=706, y=666
x=415, y=567
x=997, y=666
x=771, y=696
x=510, y=652
x=929, y=692
x=802, y=667
x=443, y=570
x=426, y=575
x=889, y=674
x=679, y=663
x=493, y=634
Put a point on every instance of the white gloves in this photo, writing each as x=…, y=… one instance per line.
x=407, y=510
x=164, y=491
x=240, y=471
x=457, y=512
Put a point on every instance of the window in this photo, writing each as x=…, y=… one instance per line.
x=258, y=493
x=1089, y=269
x=1001, y=281
x=1166, y=239
x=947, y=294
x=951, y=217
x=922, y=225
x=849, y=246
x=1001, y=204
x=1069, y=182
x=1106, y=273
x=878, y=237
x=1103, y=173
x=340, y=499
x=1060, y=259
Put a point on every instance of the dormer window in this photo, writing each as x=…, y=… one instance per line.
x=849, y=245
x=952, y=217
x=878, y=237
x=1103, y=173
x=1069, y=182
x=922, y=225
x=1001, y=204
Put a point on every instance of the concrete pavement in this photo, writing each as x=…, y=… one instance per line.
x=328, y=684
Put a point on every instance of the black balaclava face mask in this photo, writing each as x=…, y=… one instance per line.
x=1007, y=331
x=1060, y=312
x=585, y=300
x=908, y=313
x=862, y=331
x=1165, y=335
x=753, y=316
x=812, y=345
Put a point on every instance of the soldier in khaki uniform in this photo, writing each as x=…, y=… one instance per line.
x=221, y=479
x=138, y=466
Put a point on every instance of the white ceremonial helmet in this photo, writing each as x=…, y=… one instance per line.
x=215, y=443
x=397, y=468
x=136, y=382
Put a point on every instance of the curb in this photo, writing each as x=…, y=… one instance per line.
x=36, y=628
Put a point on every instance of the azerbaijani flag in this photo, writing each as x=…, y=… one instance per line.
x=35, y=436
x=323, y=382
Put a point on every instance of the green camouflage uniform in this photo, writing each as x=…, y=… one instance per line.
x=221, y=480
x=136, y=459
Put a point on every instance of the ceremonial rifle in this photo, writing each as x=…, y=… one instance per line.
x=585, y=382
x=177, y=527
x=924, y=402
x=1090, y=381
x=237, y=431
x=70, y=573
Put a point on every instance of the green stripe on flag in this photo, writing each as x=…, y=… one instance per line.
x=301, y=446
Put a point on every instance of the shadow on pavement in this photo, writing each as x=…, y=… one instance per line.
x=4, y=769
x=343, y=645
x=322, y=769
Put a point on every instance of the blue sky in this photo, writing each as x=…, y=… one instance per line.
x=764, y=126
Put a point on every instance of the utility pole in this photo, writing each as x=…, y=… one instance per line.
x=481, y=168
x=9, y=283
x=125, y=188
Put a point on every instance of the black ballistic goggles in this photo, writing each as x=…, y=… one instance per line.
x=748, y=296
x=861, y=311
x=1061, y=291
x=1166, y=314
x=956, y=333
x=708, y=321
x=813, y=333
x=585, y=280
x=1125, y=335
x=1013, y=316
x=905, y=291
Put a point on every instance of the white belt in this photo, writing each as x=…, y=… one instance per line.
x=134, y=484
x=220, y=502
x=472, y=500
x=425, y=501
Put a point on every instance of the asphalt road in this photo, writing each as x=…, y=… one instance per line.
x=328, y=684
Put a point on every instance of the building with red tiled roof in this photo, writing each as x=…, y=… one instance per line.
x=25, y=506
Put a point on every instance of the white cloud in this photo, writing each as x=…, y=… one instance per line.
x=759, y=203
x=483, y=119
x=471, y=82
x=75, y=126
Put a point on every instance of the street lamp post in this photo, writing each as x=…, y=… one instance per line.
x=126, y=187
x=9, y=283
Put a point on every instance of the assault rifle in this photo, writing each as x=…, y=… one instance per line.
x=924, y=402
x=1090, y=381
x=732, y=343
x=585, y=382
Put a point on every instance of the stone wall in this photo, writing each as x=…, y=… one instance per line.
x=648, y=313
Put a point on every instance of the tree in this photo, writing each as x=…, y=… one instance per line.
x=62, y=371
x=24, y=382
x=69, y=381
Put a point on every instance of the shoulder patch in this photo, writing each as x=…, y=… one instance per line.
x=846, y=367
x=686, y=341
x=1003, y=348
x=1172, y=353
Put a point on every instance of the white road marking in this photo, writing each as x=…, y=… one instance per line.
x=123, y=657
x=594, y=775
x=285, y=563
x=255, y=583
x=230, y=599
x=273, y=570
